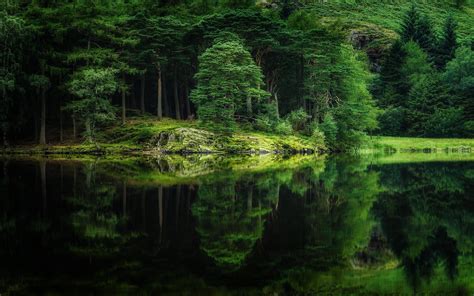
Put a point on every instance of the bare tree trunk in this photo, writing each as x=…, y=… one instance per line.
x=142, y=94
x=124, y=111
x=60, y=123
x=42, y=139
x=276, y=105
x=89, y=130
x=74, y=129
x=166, y=103
x=176, y=98
x=159, y=110
x=249, y=106
x=186, y=98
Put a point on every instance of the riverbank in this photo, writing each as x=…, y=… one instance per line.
x=148, y=136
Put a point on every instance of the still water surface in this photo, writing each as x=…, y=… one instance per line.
x=240, y=226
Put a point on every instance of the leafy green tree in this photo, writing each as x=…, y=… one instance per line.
x=227, y=80
x=93, y=88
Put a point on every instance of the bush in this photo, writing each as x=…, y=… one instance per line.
x=283, y=127
x=445, y=123
x=263, y=123
x=317, y=137
x=297, y=119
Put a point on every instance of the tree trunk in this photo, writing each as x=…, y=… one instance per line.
x=42, y=139
x=186, y=98
x=166, y=103
x=276, y=105
x=74, y=129
x=123, y=107
x=159, y=107
x=249, y=106
x=60, y=123
x=88, y=131
x=142, y=94
x=176, y=98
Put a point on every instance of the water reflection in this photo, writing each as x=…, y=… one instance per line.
x=222, y=225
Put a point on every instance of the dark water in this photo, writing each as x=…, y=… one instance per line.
x=337, y=226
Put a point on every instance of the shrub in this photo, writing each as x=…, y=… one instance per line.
x=297, y=119
x=283, y=127
x=445, y=123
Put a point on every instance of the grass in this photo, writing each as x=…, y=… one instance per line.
x=140, y=136
x=406, y=144
x=385, y=16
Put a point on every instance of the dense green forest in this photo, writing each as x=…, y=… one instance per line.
x=336, y=71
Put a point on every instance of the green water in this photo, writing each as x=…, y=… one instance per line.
x=210, y=225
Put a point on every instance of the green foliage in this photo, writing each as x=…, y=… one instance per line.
x=392, y=120
x=297, y=119
x=448, y=43
x=226, y=81
x=444, y=123
x=329, y=128
x=93, y=88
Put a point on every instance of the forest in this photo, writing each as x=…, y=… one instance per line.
x=69, y=69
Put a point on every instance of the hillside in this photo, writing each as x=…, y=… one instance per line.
x=374, y=25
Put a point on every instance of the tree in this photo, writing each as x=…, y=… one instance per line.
x=227, y=79
x=448, y=44
x=393, y=82
x=12, y=34
x=459, y=76
x=418, y=28
x=93, y=88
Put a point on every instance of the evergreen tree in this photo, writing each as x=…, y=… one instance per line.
x=448, y=43
x=93, y=87
x=227, y=79
x=409, y=24
x=13, y=36
x=394, y=86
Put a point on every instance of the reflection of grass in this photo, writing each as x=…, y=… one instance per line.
x=195, y=168
x=405, y=144
x=422, y=157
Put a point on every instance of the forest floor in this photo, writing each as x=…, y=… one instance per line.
x=146, y=135
x=408, y=144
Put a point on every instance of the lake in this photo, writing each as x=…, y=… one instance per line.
x=248, y=225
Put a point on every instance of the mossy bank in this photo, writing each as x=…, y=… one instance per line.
x=149, y=136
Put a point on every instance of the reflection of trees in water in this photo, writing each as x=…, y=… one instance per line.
x=324, y=224
x=427, y=217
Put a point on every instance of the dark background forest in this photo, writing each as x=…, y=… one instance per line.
x=68, y=68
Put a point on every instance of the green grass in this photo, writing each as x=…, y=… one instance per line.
x=385, y=16
x=406, y=144
x=139, y=136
